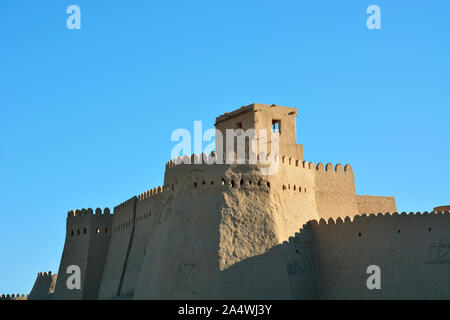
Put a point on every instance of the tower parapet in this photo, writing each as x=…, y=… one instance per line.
x=44, y=286
x=269, y=119
x=87, y=240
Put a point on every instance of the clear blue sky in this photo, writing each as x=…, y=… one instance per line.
x=86, y=115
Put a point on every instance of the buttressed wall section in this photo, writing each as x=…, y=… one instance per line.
x=86, y=245
x=118, y=250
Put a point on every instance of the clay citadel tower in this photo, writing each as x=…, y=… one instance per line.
x=228, y=231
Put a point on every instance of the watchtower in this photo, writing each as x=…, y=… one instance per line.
x=272, y=118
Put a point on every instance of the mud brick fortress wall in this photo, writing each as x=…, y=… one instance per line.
x=231, y=231
x=411, y=249
x=88, y=237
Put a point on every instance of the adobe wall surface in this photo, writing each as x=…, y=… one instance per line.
x=412, y=251
x=375, y=204
x=288, y=134
x=100, y=237
x=230, y=121
x=43, y=287
x=330, y=260
x=117, y=252
x=292, y=198
x=181, y=253
x=335, y=191
x=86, y=246
x=300, y=264
x=148, y=212
x=75, y=252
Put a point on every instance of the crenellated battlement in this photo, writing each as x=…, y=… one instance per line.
x=373, y=217
x=155, y=191
x=13, y=297
x=262, y=159
x=193, y=159
x=302, y=177
x=87, y=212
x=320, y=167
x=212, y=159
x=82, y=222
x=125, y=204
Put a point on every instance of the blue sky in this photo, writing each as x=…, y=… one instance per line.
x=86, y=115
